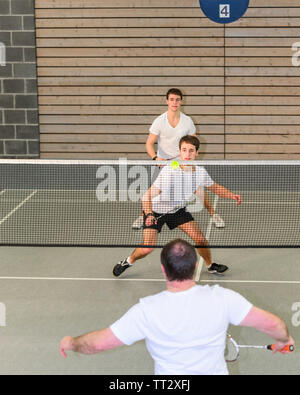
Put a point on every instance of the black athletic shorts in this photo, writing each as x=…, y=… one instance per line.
x=173, y=220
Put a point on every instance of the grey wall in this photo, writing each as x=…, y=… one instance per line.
x=19, y=130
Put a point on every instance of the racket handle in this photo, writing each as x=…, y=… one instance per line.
x=285, y=348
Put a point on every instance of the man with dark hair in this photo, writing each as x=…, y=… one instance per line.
x=165, y=203
x=184, y=326
x=178, y=260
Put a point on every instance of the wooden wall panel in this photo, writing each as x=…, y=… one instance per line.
x=262, y=103
x=104, y=67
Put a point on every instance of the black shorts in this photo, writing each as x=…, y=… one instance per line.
x=173, y=220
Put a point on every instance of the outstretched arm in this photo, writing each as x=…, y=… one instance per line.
x=270, y=324
x=225, y=193
x=90, y=343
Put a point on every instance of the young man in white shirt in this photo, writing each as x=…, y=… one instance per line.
x=167, y=130
x=184, y=327
x=172, y=189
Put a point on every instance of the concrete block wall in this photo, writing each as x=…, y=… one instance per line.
x=19, y=130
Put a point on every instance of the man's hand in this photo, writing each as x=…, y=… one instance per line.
x=66, y=345
x=281, y=346
x=237, y=198
x=150, y=219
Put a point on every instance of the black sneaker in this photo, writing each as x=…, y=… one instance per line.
x=215, y=268
x=121, y=267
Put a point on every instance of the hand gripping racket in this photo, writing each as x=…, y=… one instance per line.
x=176, y=208
x=232, y=350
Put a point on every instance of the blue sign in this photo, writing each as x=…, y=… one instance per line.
x=224, y=11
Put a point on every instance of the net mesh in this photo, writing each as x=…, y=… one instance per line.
x=95, y=203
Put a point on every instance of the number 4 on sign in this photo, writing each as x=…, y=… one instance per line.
x=224, y=10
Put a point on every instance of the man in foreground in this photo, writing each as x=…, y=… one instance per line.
x=184, y=326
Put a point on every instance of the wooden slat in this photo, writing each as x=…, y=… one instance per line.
x=263, y=156
x=150, y=3
x=126, y=110
x=262, y=129
x=132, y=22
x=262, y=100
x=131, y=129
x=130, y=32
x=110, y=148
x=114, y=139
x=142, y=42
x=129, y=71
x=262, y=148
x=113, y=4
x=262, y=110
x=117, y=155
x=130, y=52
x=134, y=101
x=273, y=62
x=134, y=62
x=131, y=81
x=263, y=120
x=156, y=92
x=124, y=13
x=120, y=119
x=266, y=140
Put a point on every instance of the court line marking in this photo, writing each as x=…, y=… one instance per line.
x=207, y=235
x=145, y=280
x=17, y=207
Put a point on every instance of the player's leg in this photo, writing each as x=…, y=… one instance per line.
x=192, y=230
x=149, y=238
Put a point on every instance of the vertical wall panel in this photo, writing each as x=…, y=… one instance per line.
x=262, y=85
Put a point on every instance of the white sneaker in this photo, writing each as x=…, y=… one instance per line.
x=138, y=223
x=218, y=221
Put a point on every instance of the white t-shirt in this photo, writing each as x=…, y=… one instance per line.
x=185, y=332
x=169, y=137
x=178, y=186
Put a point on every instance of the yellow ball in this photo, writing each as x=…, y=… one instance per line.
x=175, y=164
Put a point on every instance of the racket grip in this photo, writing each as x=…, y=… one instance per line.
x=285, y=348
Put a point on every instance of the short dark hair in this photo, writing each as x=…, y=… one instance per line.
x=174, y=91
x=179, y=260
x=190, y=140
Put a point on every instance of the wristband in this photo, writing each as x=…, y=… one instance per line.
x=154, y=157
x=149, y=214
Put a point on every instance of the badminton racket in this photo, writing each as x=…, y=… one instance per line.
x=232, y=350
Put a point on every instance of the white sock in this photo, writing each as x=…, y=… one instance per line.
x=128, y=260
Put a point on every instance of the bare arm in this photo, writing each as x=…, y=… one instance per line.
x=270, y=324
x=151, y=140
x=225, y=193
x=90, y=343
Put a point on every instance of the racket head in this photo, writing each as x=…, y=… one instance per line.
x=232, y=350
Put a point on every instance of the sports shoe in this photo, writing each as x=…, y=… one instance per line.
x=121, y=267
x=138, y=223
x=218, y=221
x=215, y=268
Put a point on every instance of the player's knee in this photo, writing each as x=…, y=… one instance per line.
x=147, y=251
x=201, y=241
